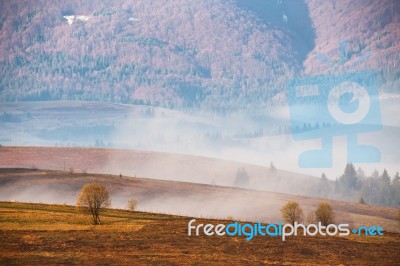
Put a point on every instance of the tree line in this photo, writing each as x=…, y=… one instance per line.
x=376, y=189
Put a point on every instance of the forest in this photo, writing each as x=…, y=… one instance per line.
x=223, y=55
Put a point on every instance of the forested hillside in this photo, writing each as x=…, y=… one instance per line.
x=355, y=35
x=211, y=54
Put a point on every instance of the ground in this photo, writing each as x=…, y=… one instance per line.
x=37, y=234
x=181, y=198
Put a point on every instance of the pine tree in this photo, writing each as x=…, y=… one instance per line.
x=360, y=173
x=395, y=191
x=348, y=180
x=384, y=188
x=396, y=177
x=323, y=186
x=242, y=178
x=375, y=174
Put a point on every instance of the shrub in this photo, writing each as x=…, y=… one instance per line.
x=292, y=212
x=132, y=204
x=93, y=198
x=362, y=201
x=325, y=214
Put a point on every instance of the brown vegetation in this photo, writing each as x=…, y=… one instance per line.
x=292, y=212
x=132, y=204
x=181, y=198
x=37, y=234
x=157, y=165
x=398, y=216
x=325, y=214
x=93, y=198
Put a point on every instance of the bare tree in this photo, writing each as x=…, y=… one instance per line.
x=325, y=214
x=132, y=204
x=292, y=212
x=93, y=198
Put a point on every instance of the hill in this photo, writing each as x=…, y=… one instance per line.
x=157, y=165
x=55, y=234
x=217, y=55
x=181, y=198
x=357, y=35
x=179, y=55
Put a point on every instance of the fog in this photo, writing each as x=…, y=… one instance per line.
x=154, y=196
x=191, y=200
x=256, y=137
x=252, y=140
x=259, y=138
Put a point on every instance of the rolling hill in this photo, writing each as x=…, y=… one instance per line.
x=156, y=165
x=181, y=198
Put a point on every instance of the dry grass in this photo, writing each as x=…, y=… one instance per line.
x=182, y=198
x=157, y=165
x=34, y=234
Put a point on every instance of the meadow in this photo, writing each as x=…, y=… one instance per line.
x=37, y=234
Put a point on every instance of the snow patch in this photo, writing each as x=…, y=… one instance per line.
x=133, y=19
x=70, y=19
x=82, y=18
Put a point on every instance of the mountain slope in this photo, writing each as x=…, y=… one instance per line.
x=212, y=54
x=166, y=53
x=368, y=32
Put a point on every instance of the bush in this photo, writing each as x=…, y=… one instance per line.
x=292, y=212
x=132, y=204
x=362, y=201
x=325, y=214
x=93, y=198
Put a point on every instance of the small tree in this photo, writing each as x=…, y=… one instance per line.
x=324, y=186
x=348, y=181
x=325, y=214
x=362, y=201
x=132, y=203
x=93, y=198
x=292, y=212
x=242, y=178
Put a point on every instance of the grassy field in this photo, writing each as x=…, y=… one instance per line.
x=37, y=234
x=156, y=165
x=180, y=198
